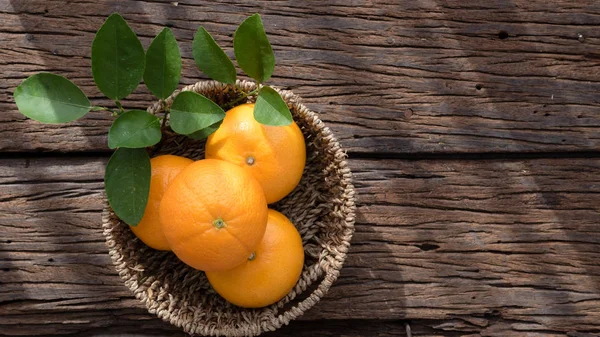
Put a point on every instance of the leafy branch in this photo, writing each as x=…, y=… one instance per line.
x=118, y=65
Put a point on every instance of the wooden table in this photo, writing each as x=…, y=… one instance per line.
x=472, y=127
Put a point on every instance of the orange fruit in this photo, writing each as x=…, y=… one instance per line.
x=164, y=170
x=270, y=272
x=213, y=215
x=274, y=155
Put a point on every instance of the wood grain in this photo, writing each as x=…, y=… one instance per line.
x=489, y=247
x=463, y=246
x=388, y=77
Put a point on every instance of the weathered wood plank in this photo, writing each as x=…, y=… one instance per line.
x=138, y=325
x=501, y=247
x=387, y=76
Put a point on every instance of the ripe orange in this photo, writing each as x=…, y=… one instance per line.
x=164, y=170
x=275, y=155
x=213, y=215
x=270, y=272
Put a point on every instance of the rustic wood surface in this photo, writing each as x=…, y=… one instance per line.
x=423, y=76
x=491, y=245
x=473, y=131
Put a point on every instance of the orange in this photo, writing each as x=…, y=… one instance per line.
x=213, y=215
x=275, y=155
x=270, y=272
x=164, y=170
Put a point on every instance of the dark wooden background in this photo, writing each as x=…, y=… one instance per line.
x=472, y=127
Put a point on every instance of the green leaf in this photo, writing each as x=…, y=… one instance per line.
x=204, y=133
x=127, y=183
x=211, y=59
x=191, y=112
x=134, y=129
x=271, y=109
x=252, y=49
x=163, y=65
x=117, y=58
x=50, y=98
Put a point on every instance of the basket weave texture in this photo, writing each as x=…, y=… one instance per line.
x=322, y=208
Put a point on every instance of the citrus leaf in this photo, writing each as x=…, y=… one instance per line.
x=191, y=112
x=134, y=129
x=163, y=65
x=127, y=183
x=50, y=98
x=252, y=49
x=271, y=109
x=117, y=58
x=211, y=59
x=204, y=133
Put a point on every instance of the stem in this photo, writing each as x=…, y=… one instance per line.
x=239, y=89
x=166, y=113
x=244, y=96
x=102, y=108
x=120, y=107
x=163, y=126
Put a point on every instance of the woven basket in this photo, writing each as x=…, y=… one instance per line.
x=322, y=208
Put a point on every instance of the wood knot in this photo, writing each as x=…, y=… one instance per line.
x=427, y=247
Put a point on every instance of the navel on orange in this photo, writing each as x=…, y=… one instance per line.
x=270, y=272
x=164, y=170
x=274, y=155
x=213, y=214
